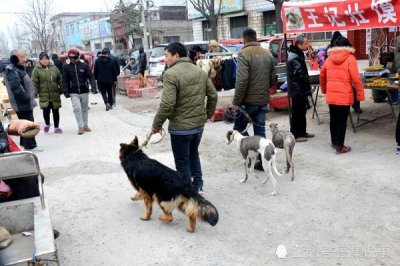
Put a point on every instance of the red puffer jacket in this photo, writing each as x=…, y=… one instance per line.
x=338, y=76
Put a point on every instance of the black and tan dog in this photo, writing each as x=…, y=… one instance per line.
x=157, y=182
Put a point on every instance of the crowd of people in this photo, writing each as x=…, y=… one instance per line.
x=187, y=87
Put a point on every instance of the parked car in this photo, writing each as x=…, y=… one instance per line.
x=157, y=61
x=276, y=45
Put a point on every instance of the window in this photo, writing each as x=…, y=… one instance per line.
x=318, y=36
x=97, y=46
x=238, y=25
x=206, y=30
x=169, y=39
x=269, y=23
x=108, y=45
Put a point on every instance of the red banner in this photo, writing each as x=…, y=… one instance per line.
x=332, y=15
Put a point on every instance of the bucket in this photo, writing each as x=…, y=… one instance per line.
x=394, y=96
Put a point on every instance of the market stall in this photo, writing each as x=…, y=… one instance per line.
x=333, y=15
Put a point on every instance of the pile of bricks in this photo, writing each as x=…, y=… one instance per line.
x=133, y=89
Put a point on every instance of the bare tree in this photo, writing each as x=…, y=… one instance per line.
x=37, y=20
x=4, y=47
x=127, y=14
x=209, y=9
x=278, y=8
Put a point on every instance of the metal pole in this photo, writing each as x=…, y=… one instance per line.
x=287, y=57
x=145, y=42
x=150, y=37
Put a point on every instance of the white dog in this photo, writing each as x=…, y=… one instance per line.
x=250, y=148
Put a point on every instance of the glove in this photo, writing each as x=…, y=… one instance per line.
x=94, y=91
x=66, y=94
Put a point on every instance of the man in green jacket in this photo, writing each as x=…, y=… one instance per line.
x=255, y=75
x=186, y=87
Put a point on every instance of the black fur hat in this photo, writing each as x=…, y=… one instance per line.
x=14, y=59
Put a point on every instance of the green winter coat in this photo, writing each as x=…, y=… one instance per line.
x=255, y=75
x=186, y=87
x=47, y=83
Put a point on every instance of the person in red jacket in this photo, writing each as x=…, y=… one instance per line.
x=337, y=77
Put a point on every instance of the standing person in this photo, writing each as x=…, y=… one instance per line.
x=57, y=62
x=331, y=44
x=337, y=77
x=75, y=77
x=83, y=59
x=255, y=75
x=117, y=70
x=186, y=87
x=397, y=67
x=47, y=81
x=104, y=73
x=95, y=59
x=299, y=88
x=21, y=93
x=357, y=105
x=142, y=61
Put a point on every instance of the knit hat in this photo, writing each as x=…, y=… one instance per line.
x=73, y=52
x=43, y=54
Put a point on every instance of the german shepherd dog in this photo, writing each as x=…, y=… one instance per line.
x=157, y=182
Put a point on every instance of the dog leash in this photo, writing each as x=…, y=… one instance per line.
x=148, y=137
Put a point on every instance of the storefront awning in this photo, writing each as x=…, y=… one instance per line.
x=265, y=9
x=236, y=15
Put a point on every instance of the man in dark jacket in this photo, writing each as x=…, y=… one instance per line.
x=142, y=61
x=255, y=75
x=75, y=77
x=186, y=87
x=299, y=88
x=106, y=76
x=20, y=92
x=57, y=62
x=117, y=71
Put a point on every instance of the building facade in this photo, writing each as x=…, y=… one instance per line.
x=236, y=15
x=67, y=28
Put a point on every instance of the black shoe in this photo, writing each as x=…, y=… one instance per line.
x=258, y=166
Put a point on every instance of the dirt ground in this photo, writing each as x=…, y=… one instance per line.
x=339, y=210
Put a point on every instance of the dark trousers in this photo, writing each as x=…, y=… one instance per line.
x=357, y=105
x=106, y=90
x=257, y=114
x=338, y=123
x=187, y=159
x=398, y=131
x=298, y=121
x=56, y=115
x=27, y=143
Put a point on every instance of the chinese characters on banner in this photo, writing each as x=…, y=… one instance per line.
x=332, y=15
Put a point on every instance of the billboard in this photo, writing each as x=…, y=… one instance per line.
x=227, y=6
x=96, y=29
x=332, y=15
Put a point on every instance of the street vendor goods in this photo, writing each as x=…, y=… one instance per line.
x=377, y=82
x=374, y=68
x=23, y=128
x=157, y=182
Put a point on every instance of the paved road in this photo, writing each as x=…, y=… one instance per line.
x=340, y=210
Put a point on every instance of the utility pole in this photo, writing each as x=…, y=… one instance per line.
x=145, y=42
x=150, y=36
